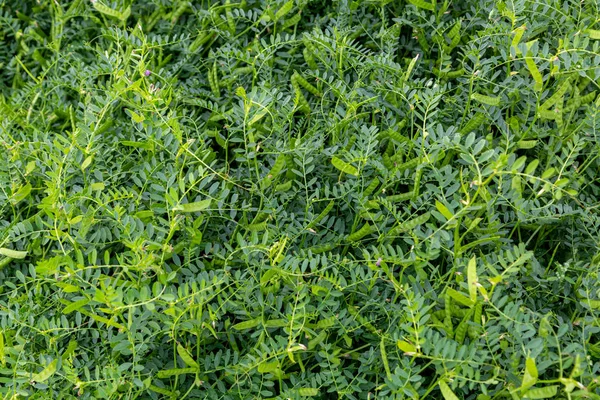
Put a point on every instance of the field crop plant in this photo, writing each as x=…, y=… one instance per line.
x=273, y=199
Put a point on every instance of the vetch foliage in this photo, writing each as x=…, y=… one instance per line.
x=299, y=199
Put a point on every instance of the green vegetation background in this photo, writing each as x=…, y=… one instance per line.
x=299, y=199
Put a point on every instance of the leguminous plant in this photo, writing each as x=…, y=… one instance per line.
x=299, y=199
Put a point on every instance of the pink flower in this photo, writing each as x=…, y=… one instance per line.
x=147, y=72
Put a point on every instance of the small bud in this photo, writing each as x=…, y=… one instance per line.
x=147, y=72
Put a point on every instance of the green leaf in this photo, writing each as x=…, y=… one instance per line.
x=406, y=347
x=76, y=305
x=86, y=163
x=547, y=174
x=144, y=214
x=21, y=194
x=531, y=167
x=413, y=62
x=444, y=210
x=593, y=304
x=136, y=117
x=268, y=367
x=259, y=115
x=30, y=167
x=97, y=186
x=70, y=350
x=422, y=4
x=518, y=163
x=102, y=319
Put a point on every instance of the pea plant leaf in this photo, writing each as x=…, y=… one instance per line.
x=245, y=199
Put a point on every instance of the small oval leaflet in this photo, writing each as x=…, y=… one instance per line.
x=86, y=163
x=532, y=166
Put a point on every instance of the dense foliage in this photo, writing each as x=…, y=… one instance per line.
x=299, y=199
